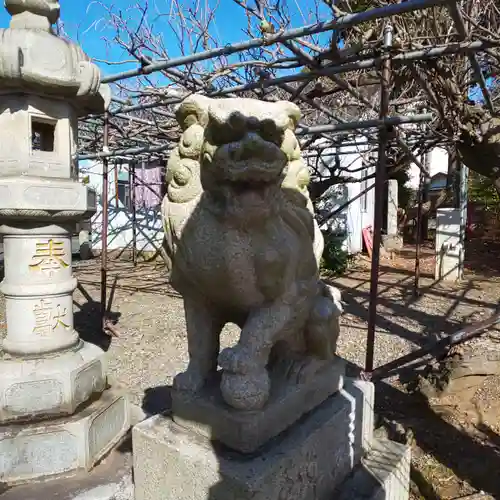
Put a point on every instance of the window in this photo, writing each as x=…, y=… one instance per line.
x=124, y=192
x=42, y=134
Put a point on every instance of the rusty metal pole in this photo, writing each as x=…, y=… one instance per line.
x=134, y=212
x=436, y=348
x=419, y=234
x=104, y=231
x=380, y=183
x=117, y=199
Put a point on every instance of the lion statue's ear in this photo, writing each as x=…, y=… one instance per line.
x=193, y=109
x=292, y=110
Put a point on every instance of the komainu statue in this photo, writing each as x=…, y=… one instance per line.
x=245, y=248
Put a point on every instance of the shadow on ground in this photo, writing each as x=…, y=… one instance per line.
x=435, y=324
x=88, y=319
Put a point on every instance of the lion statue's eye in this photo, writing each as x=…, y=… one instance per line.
x=269, y=132
x=237, y=123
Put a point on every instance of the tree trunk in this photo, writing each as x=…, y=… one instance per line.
x=479, y=144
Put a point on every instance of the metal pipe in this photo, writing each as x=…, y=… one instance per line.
x=419, y=234
x=387, y=122
x=117, y=199
x=402, y=58
x=125, y=152
x=104, y=232
x=119, y=100
x=134, y=211
x=149, y=105
x=459, y=337
x=342, y=22
x=314, y=151
x=357, y=125
x=380, y=186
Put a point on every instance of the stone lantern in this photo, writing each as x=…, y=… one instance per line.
x=56, y=414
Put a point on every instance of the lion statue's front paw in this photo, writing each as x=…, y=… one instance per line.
x=191, y=381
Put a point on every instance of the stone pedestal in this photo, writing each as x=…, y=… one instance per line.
x=64, y=446
x=450, y=252
x=311, y=459
x=246, y=431
x=56, y=416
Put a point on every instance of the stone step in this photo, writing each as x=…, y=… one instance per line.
x=384, y=474
x=110, y=479
x=65, y=446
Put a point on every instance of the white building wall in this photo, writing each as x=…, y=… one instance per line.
x=360, y=212
x=149, y=228
x=438, y=164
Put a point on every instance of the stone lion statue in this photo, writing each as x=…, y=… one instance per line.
x=245, y=248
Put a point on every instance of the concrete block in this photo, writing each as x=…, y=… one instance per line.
x=450, y=252
x=111, y=479
x=364, y=394
x=64, y=446
x=307, y=462
x=384, y=474
x=54, y=385
x=392, y=242
x=207, y=414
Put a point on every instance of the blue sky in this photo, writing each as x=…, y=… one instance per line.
x=84, y=21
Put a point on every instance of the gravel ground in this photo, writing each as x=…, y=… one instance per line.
x=151, y=349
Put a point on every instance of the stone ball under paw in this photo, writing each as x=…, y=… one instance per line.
x=245, y=392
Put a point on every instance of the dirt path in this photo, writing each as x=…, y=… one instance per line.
x=456, y=444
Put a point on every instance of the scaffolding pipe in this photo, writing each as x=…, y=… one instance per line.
x=390, y=121
x=125, y=152
x=416, y=285
x=342, y=22
x=441, y=345
x=358, y=125
x=117, y=199
x=134, y=211
x=105, y=215
x=403, y=58
x=380, y=186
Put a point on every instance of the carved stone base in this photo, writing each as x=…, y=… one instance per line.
x=308, y=461
x=52, y=386
x=207, y=414
x=383, y=474
x=64, y=446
